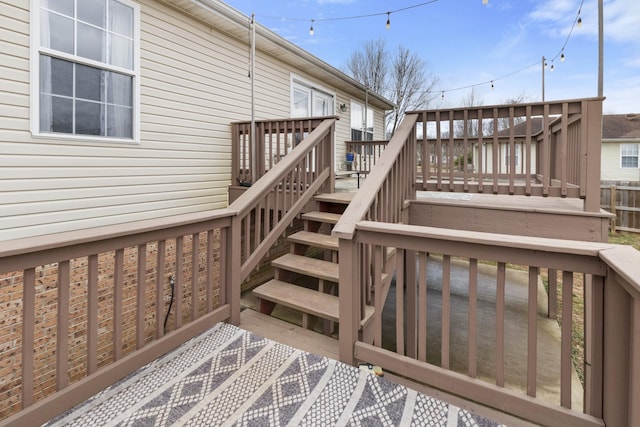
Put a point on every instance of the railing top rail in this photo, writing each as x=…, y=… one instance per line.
x=363, y=199
x=624, y=260
x=29, y=245
x=265, y=184
x=507, y=106
x=542, y=244
x=377, y=141
x=288, y=119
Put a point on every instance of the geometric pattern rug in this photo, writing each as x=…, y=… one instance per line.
x=230, y=377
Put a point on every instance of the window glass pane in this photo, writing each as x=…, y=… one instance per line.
x=56, y=32
x=56, y=76
x=89, y=118
x=120, y=19
x=356, y=116
x=90, y=83
x=62, y=6
x=121, y=52
x=630, y=162
x=91, y=42
x=629, y=149
x=119, y=89
x=300, y=103
x=93, y=12
x=56, y=114
x=119, y=122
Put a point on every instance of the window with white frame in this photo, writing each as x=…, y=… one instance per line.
x=507, y=158
x=308, y=101
x=629, y=154
x=86, y=67
x=361, y=130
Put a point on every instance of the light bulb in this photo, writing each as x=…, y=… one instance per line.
x=579, y=21
x=442, y=95
x=311, y=29
x=562, y=57
x=491, y=84
x=552, y=67
x=388, y=20
x=485, y=1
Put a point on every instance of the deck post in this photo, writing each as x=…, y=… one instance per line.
x=349, y=297
x=232, y=265
x=617, y=336
x=592, y=138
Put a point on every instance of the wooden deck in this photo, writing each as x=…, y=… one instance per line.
x=552, y=217
x=312, y=342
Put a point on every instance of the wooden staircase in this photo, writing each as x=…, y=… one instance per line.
x=306, y=279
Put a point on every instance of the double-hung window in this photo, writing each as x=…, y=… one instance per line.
x=86, y=68
x=629, y=154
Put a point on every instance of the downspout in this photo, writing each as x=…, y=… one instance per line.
x=254, y=151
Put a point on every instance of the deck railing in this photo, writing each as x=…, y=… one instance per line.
x=611, y=317
x=107, y=292
x=274, y=139
x=121, y=296
x=365, y=154
x=538, y=149
x=370, y=227
x=269, y=206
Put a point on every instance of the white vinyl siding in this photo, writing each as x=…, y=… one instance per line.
x=193, y=84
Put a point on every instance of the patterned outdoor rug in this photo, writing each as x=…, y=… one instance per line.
x=228, y=376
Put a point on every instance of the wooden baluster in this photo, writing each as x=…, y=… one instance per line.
x=473, y=318
x=28, y=335
x=500, y=310
x=446, y=311
x=62, y=342
x=140, y=301
x=118, y=279
x=92, y=315
x=566, y=334
x=532, y=332
x=160, y=261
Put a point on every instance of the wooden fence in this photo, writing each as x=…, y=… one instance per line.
x=623, y=200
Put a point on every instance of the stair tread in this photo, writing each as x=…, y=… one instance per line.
x=326, y=217
x=305, y=300
x=325, y=270
x=318, y=240
x=341, y=197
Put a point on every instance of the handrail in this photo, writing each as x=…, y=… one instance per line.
x=611, y=319
x=374, y=186
x=548, y=149
x=274, y=139
x=286, y=188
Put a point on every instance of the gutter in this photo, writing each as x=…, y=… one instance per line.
x=238, y=18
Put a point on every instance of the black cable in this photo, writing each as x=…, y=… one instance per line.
x=173, y=288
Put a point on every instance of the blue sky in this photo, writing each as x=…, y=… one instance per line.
x=465, y=43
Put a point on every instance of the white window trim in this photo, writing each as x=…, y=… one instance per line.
x=295, y=79
x=638, y=155
x=34, y=80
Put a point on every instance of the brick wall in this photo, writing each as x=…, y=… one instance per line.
x=11, y=298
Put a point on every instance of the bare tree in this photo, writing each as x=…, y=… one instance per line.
x=370, y=66
x=469, y=100
x=403, y=78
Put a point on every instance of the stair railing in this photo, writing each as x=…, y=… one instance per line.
x=267, y=208
x=381, y=198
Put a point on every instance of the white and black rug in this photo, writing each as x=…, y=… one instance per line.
x=228, y=376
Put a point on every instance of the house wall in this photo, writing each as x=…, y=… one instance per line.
x=193, y=85
x=610, y=169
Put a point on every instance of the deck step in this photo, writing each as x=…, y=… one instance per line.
x=305, y=300
x=324, y=270
x=324, y=217
x=343, y=198
x=316, y=240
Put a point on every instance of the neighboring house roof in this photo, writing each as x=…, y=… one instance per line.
x=231, y=21
x=620, y=126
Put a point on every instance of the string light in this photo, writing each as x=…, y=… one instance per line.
x=552, y=67
x=577, y=22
